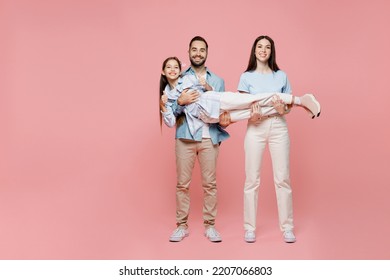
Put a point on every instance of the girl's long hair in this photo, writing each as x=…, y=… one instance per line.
x=164, y=82
x=252, y=64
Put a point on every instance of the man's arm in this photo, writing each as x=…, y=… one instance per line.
x=219, y=86
x=224, y=119
x=186, y=97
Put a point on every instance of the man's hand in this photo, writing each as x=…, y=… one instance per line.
x=187, y=97
x=224, y=119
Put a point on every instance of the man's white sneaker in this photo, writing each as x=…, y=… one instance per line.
x=178, y=234
x=212, y=235
x=289, y=236
x=250, y=236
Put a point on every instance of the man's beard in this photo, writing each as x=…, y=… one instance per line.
x=197, y=64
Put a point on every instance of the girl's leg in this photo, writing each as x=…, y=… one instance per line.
x=312, y=106
x=236, y=101
x=271, y=104
x=244, y=114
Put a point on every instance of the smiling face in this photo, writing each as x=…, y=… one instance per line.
x=198, y=53
x=171, y=70
x=263, y=51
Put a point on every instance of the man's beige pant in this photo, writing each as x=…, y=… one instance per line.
x=186, y=153
x=274, y=131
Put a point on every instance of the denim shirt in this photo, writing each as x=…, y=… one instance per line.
x=217, y=133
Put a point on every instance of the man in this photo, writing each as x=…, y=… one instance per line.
x=204, y=145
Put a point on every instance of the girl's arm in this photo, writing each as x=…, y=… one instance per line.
x=166, y=111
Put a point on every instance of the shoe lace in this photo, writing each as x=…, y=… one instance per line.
x=179, y=231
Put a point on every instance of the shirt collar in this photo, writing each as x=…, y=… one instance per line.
x=191, y=71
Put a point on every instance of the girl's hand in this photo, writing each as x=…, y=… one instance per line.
x=164, y=98
x=203, y=83
x=163, y=102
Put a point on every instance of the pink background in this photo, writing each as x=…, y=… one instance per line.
x=85, y=172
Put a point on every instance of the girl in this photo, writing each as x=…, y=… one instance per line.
x=211, y=105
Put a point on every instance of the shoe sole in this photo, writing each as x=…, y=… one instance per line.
x=213, y=240
x=250, y=240
x=290, y=240
x=317, y=103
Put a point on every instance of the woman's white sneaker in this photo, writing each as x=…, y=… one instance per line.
x=250, y=236
x=289, y=236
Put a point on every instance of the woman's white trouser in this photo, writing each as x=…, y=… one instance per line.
x=274, y=131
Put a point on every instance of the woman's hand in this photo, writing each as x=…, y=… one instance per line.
x=255, y=112
x=287, y=108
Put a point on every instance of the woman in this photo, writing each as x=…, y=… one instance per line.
x=211, y=105
x=264, y=75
